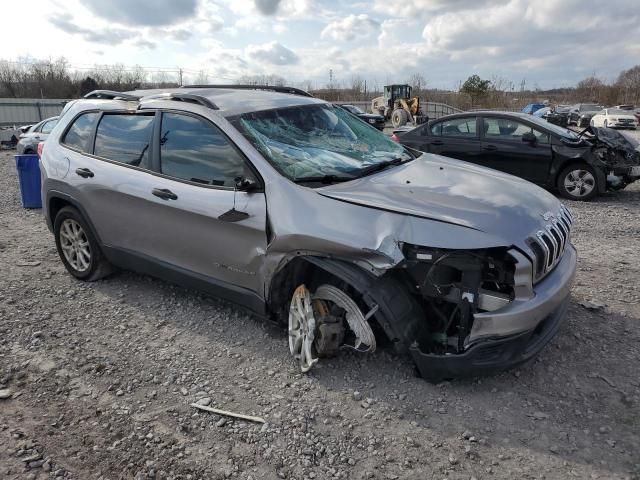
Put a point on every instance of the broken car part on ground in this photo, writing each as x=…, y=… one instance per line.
x=311, y=216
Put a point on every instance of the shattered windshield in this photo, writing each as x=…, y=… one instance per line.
x=313, y=141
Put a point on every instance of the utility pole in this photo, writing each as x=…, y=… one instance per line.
x=180, y=74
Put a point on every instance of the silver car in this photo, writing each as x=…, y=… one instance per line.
x=300, y=212
x=37, y=133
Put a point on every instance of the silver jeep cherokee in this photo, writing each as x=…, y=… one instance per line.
x=302, y=213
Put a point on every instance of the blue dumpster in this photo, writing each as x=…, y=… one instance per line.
x=29, y=178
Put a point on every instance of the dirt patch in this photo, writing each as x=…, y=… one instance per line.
x=101, y=376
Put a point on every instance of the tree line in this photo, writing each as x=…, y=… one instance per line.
x=57, y=79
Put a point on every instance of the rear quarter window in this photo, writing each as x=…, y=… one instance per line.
x=79, y=135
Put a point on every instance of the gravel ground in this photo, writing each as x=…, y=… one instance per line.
x=96, y=380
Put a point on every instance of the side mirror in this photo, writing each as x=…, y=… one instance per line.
x=244, y=184
x=529, y=138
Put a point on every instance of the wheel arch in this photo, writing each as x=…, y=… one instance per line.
x=56, y=201
x=398, y=314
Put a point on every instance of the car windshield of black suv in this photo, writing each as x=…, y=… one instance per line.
x=353, y=109
x=314, y=142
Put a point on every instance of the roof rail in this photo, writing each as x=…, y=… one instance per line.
x=111, y=95
x=273, y=88
x=184, y=97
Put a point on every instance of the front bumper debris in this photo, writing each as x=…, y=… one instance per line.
x=491, y=356
x=507, y=337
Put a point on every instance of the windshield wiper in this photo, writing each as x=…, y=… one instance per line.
x=323, y=179
x=376, y=167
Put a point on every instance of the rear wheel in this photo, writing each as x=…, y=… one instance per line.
x=78, y=248
x=578, y=182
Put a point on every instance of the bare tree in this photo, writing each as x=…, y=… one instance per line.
x=418, y=84
x=629, y=85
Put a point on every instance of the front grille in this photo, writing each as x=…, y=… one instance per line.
x=548, y=244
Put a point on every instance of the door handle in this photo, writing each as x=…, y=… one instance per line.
x=84, y=172
x=164, y=194
x=490, y=148
x=436, y=142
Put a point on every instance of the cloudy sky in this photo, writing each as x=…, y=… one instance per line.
x=547, y=42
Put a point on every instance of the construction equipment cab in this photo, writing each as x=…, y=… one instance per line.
x=398, y=105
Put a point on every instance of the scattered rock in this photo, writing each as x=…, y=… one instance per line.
x=26, y=263
x=539, y=415
x=593, y=305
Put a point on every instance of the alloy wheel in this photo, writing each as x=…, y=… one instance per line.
x=75, y=245
x=302, y=327
x=579, y=183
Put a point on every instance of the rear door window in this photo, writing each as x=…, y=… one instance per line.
x=195, y=150
x=80, y=135
x=125, y=138
x=456, y=127
x=510, y=130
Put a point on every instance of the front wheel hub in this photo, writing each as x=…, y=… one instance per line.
x=302, y=329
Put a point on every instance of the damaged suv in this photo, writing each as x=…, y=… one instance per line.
x=302, y=213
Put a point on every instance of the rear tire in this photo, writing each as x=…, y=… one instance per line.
x=578, y=182
x=78, y=248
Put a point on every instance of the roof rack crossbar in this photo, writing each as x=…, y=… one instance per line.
x=111, y=95
x=184, y=97
x=273, y=88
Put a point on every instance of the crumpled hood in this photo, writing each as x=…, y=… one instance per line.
x=451, y=191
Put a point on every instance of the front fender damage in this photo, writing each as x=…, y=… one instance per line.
x=384, y=283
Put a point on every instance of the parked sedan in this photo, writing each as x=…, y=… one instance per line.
x=580, y=114
x=372, y=119
x=614, y=118
x=579, y=167
x=29, y=141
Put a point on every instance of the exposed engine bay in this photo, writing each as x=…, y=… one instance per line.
x=453, y=286
x=619, y=154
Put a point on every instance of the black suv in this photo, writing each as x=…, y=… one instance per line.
x=372, y=119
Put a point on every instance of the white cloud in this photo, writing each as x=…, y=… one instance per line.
x=272, y=53
x=423, y=8
x=351, y=27
x=143, y=12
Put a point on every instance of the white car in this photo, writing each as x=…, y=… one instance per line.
x=614, y=117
